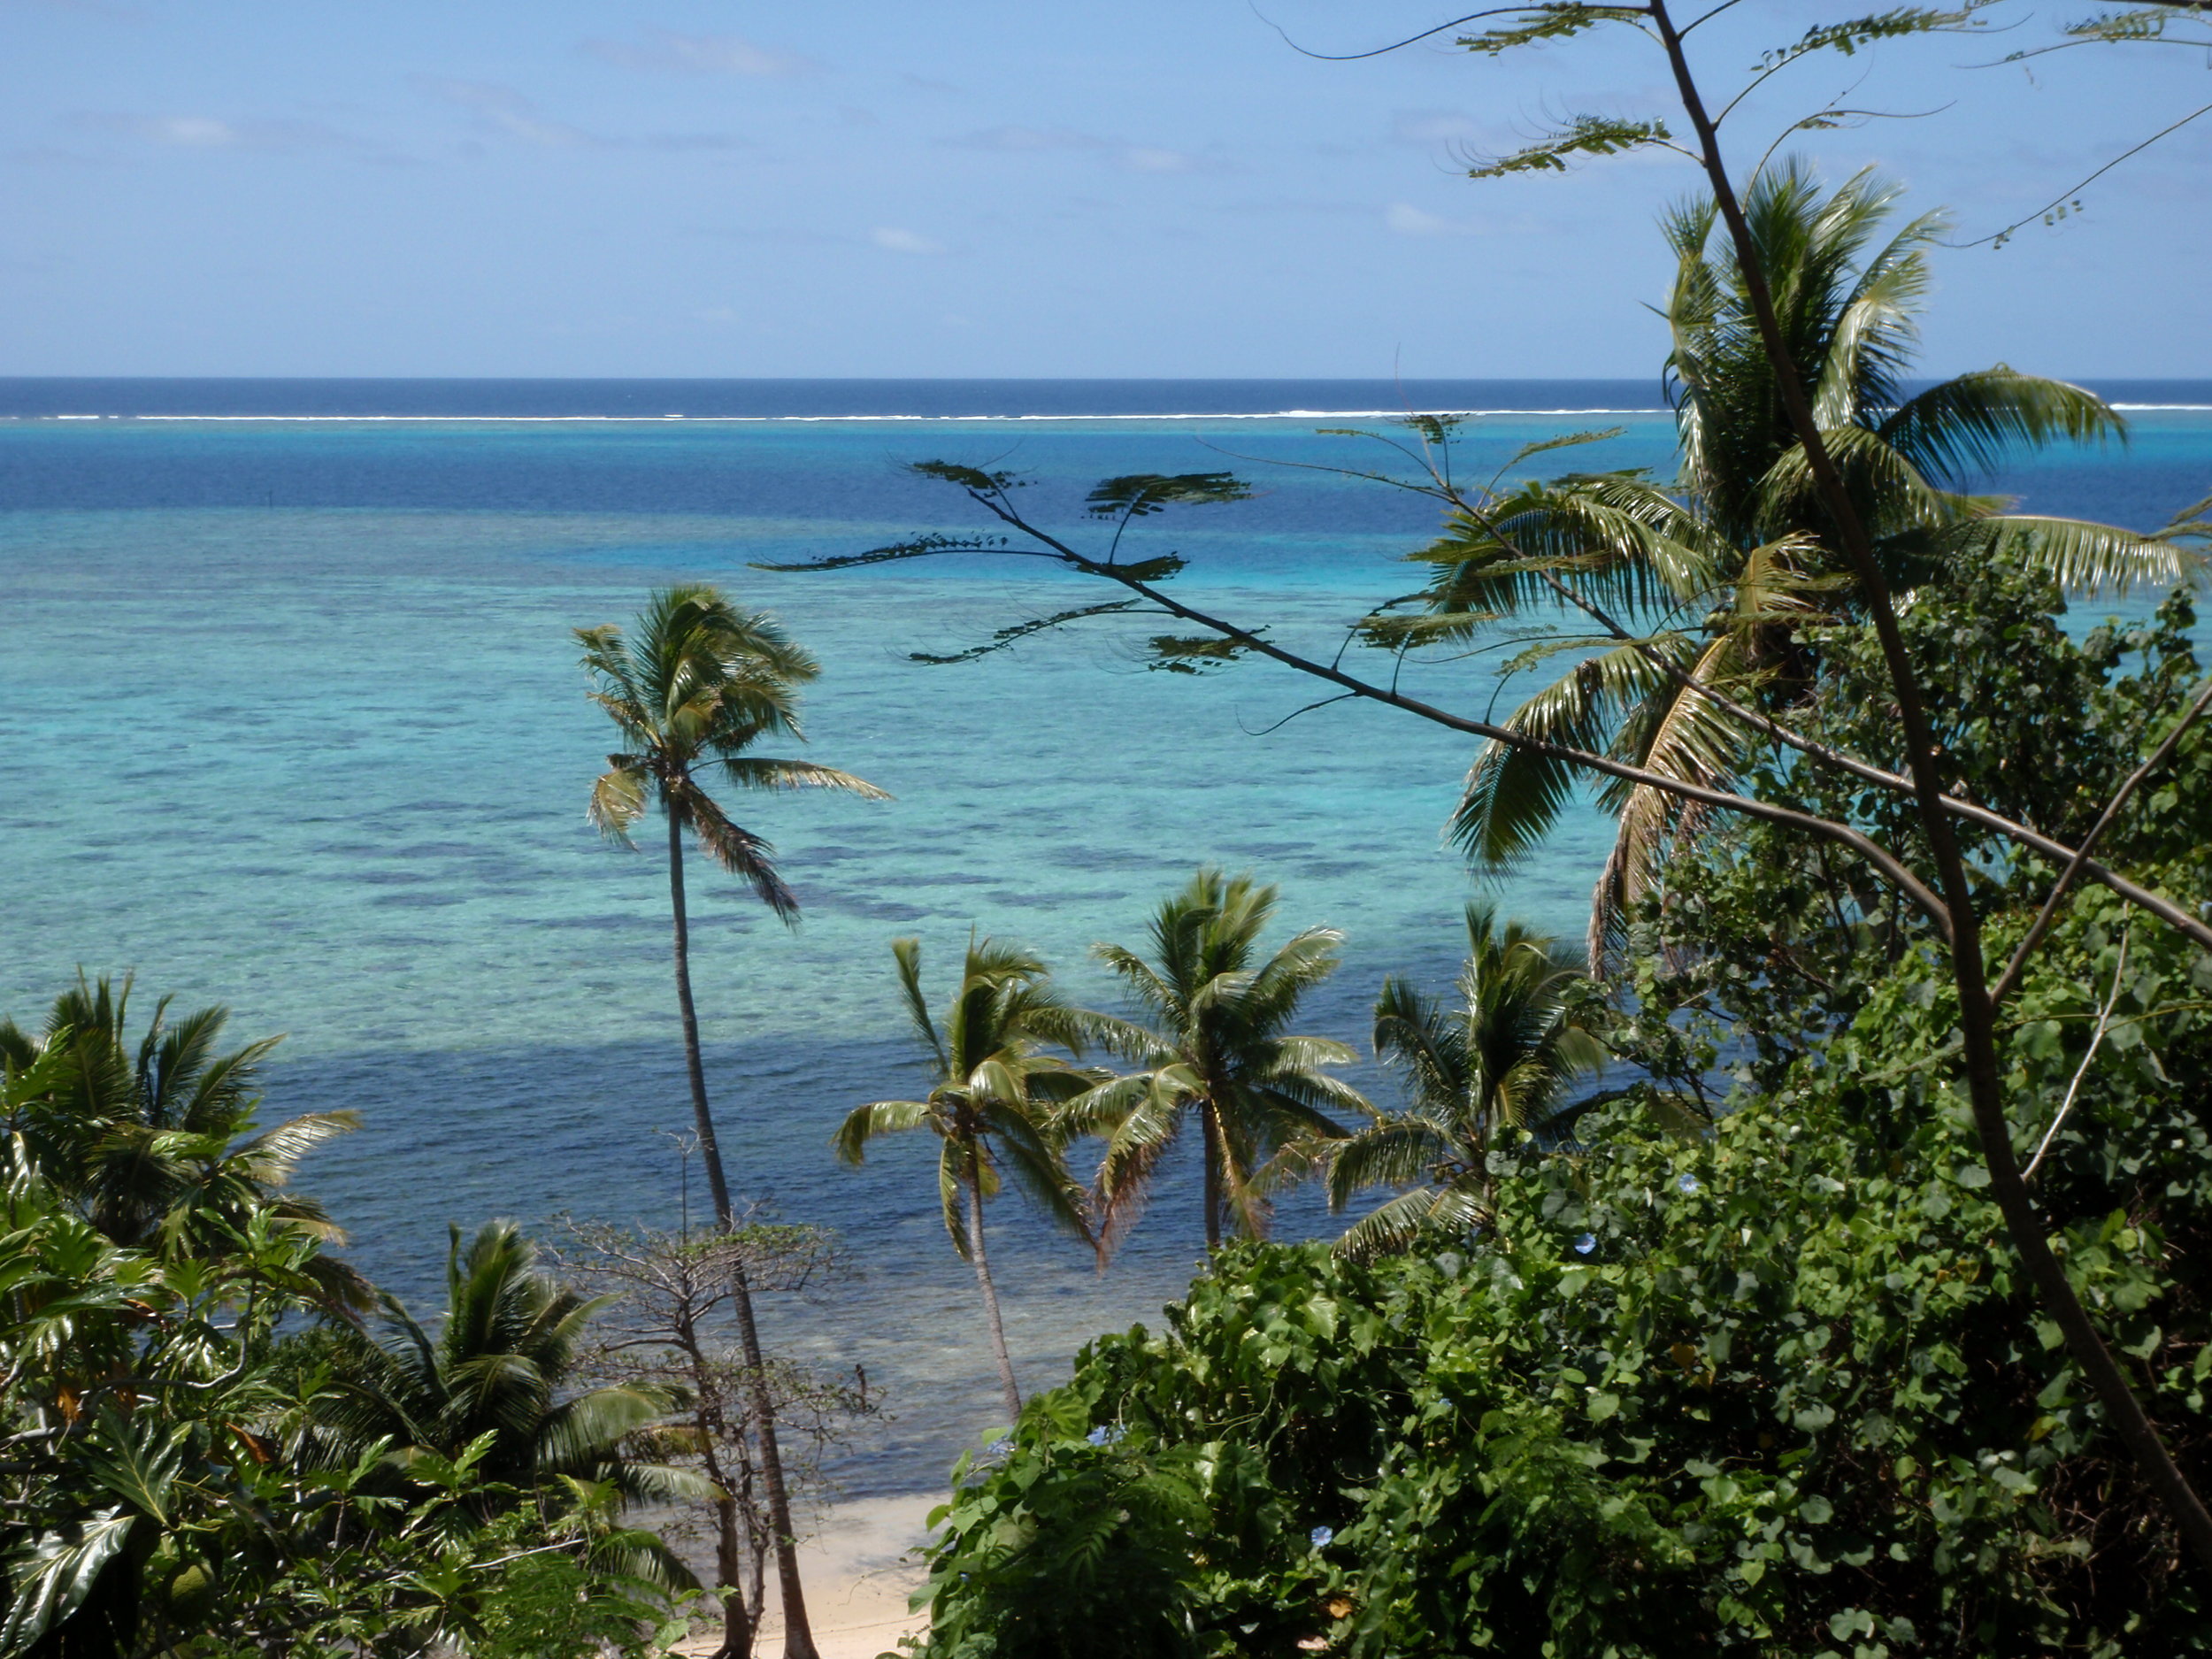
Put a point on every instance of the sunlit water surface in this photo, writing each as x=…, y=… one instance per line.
x=290, y=720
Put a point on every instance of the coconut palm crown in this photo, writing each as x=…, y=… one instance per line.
x=1497, y=1060
x=1711, y=575
x=156, y=1144
x=697, y=685
x=993, y=1103
x=501, y=1363
x=1216, y=1047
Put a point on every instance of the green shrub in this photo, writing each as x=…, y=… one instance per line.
x=1774, y=1390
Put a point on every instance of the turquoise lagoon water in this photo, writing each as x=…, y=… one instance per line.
x=290, y=720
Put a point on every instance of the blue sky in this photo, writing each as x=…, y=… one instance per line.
x=985, y=187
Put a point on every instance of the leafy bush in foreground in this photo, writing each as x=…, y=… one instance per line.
x=169, y=1486
x=1776, y=1390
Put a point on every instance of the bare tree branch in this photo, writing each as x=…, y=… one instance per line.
x=2075, y=866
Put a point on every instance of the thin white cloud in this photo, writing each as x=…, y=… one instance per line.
x=1033, y=141
x=669, y=52
x=193, y=132
x=697, y=142
x=503, y=110
x=1025, y=140
x=1435, y=126
x=903, y=241
x=476, y=95
x=208, y=131
x=1408, y=221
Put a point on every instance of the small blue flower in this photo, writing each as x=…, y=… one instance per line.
x=1688, y=1183
x=1586, y=1243
x=1321, y=1537
x=1105, y=1435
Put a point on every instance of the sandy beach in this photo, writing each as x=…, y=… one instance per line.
x=859, y=1568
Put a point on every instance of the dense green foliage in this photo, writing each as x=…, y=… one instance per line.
x=1773, y=1383
x=1758, y=942
x=1776, y=1387
x=189, y=1468
x=499, y=1367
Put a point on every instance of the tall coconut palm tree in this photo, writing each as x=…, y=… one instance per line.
x=1215, y=1044
x=992, y=1104
x=696, y=687
x=1497, y=1060
x=499, y=1363
x=155, y=1144
x=1710, y=574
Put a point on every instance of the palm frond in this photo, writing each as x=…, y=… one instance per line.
x=951, y=1159
x=735, y=848
x=865, y=1124
x=1874, y=329
x=1144, y=1130
x=581, y=1431
x=753, y=772
x=1892, y=491
x=1035, y=1161
x=907, y=953
x=1971, y=425
x=273, y=1156
x=618, y=801
x=1100, y=1109
x=1394, y=1151
x=1394, y=1226
x=1514, y=796
x=2082, y=557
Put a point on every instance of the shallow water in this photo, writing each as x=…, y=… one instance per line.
x=290, y=720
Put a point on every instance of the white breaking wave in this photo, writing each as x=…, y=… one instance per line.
x=479, y=420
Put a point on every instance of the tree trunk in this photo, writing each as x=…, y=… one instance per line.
x=1212, y=1137
x=739, y=1615
x=729, y=1571
x=702, y=1115
x=982, y=1264
x=755, y=1545
x=798, y=1638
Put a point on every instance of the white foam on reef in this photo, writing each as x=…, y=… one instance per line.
x=481, y=420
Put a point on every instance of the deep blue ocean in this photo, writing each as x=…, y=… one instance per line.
x=290, y=720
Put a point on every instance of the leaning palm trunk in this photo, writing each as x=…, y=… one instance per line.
x=982, y=1261
x=1210, y=1123
x=738, y=1625
x=702, y=1115
x=798, y=1637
